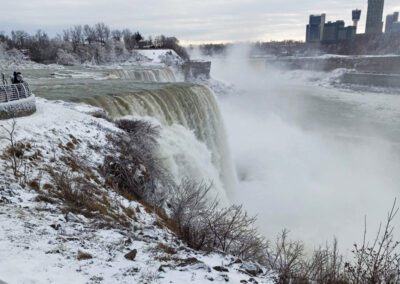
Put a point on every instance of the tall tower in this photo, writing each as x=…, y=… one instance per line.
x=374, y=17
x=356, y=15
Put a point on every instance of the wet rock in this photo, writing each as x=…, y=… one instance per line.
x=237, y=261
x=221, y=269
x=224, y=277
x=4, y=200
x=251, y=268
x=201, y=266
x=209, y=278
x=131, y=255
x=163, y=268
x=189, y=261
x=56, y=226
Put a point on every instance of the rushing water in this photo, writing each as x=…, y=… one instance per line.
x=312, y=159
x=193, y=140
x=157, y=75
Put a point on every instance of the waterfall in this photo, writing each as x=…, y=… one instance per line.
x=192, y=106
x=193, y=133
x=159, y=75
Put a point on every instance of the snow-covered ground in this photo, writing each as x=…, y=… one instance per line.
x=40, y=242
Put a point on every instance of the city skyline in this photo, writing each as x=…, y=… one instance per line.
x=191, y=21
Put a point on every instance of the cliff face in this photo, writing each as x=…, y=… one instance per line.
x=196, y=69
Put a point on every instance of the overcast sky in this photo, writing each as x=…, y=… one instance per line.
x=192, y=21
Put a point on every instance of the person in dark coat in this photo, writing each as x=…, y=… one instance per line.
x=14, y=78
x=17, y=78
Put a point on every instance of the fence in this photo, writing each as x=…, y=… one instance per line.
x=14, y=92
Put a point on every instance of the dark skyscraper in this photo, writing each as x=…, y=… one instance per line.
x=374, y=17
x=315, y=28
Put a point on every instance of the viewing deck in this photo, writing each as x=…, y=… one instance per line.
x=14, y=92
x=16, y=100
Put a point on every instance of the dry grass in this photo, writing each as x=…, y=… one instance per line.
x=165, y=249
x=81, y=196
x=83, y=256
x=35, y=185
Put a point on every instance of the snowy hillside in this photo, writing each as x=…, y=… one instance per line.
x=43, y=239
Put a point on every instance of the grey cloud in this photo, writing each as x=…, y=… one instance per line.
x=189, y=20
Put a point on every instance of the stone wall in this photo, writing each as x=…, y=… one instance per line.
x=369, y=79
x=23, y=107
x=373, y=64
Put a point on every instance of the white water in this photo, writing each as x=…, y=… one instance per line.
x=310, y=159
x=149, y=75
x=193, y=142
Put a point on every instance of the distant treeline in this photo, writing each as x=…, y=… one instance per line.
x=361, y=45
x=98, y=44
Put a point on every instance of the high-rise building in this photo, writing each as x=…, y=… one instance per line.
x=396, y=27
x=346, y=33
x=374, y=17
x=331, y=31
x=356, y=15
x=315, y=28
x=390, y=20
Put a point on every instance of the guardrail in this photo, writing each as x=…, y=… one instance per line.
x=14, y=92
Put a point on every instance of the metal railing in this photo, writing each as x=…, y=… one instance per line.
x=14, y=92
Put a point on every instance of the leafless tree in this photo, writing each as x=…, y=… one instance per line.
x=102, y=32
x=89, y=33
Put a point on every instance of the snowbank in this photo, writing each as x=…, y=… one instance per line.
x=40, y=243
x=22, y=107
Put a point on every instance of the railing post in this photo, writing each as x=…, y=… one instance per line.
x=7, y=99
x=17, y=88
x=24, y=90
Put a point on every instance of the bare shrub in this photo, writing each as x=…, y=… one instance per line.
x=190, y=210
x=17, y=153
x=234, y=232
x=286, y=258
x=14, y=152
x=373, y=263
x=378, y=262
x=204, y=225
x=136, y=168
x=326, y=265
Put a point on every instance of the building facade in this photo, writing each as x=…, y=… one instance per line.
x=347, y=33
x=374, y=17
x=395, y=27
x=315, y=28
x=331, y=31
x=390, y=20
